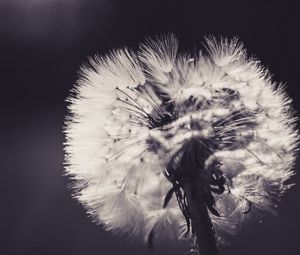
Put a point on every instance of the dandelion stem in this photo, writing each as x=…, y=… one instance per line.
x=201, y=222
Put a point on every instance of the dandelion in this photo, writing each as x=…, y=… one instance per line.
x=167, y=145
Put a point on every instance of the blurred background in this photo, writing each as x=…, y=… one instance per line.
x=43, y=43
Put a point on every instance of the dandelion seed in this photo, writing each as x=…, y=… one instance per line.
x=167, y=145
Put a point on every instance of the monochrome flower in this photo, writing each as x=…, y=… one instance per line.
x=135, y=118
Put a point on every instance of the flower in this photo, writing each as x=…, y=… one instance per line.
x=136, y=116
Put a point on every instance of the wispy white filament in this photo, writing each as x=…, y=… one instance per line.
x=118, y=173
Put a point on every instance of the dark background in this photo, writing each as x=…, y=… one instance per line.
x=43, y=42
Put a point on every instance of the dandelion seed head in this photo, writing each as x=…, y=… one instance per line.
x=132, y=113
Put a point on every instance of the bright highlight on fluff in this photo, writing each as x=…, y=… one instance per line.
x=134, y=115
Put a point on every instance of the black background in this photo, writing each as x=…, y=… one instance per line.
x=43, y=42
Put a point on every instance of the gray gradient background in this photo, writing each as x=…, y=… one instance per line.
x=43, y=42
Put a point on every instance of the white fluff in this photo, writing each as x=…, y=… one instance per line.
x=119, y=179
